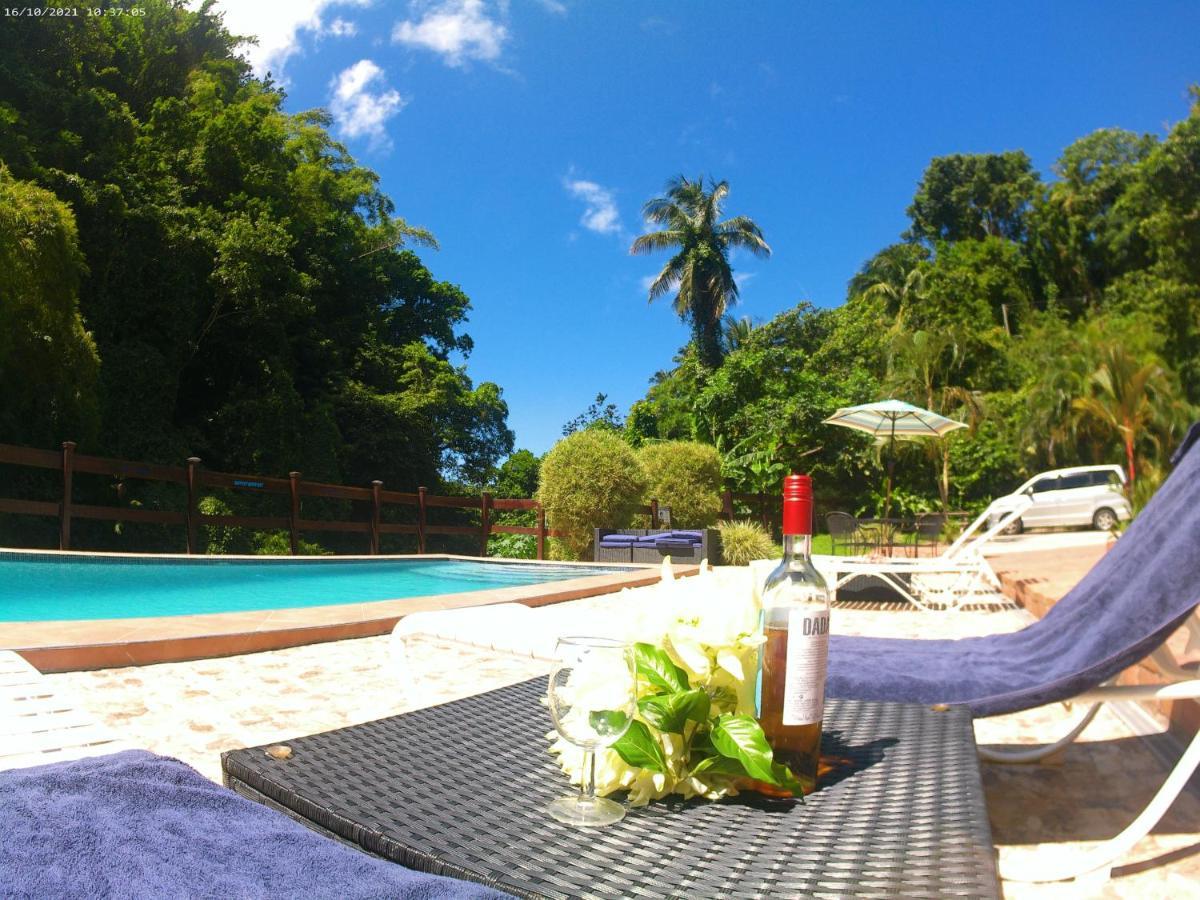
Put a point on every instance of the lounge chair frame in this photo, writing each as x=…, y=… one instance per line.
x=937, y=583
x=1181, y=684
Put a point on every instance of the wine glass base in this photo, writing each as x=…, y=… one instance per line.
x=586, y=812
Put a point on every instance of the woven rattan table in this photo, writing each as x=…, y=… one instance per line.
x=460, y=789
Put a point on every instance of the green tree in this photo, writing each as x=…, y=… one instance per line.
x=294, y=326
x=973, y=196
x=895, y=277
x=599, y=414
x=48, y=361
x=686, y=476
x=690, y=226
x=1129, y=397
x=589, y=480
x=923, y=367
x=517, y=475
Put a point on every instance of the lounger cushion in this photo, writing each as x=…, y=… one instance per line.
x=1131, y=601
x=138, y=825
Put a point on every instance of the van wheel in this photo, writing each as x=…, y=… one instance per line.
x=1016, y=526
x=1104, y=520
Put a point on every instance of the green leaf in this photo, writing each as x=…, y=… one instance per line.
x=607, y=722
x=638, y=747
x=718, y=765
x=670, y=712
x=656, y=667
x=741, y=738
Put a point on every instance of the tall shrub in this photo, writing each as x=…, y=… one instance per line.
x=685, y=476
x=589, y=480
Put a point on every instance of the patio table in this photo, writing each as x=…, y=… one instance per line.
x=461, y=789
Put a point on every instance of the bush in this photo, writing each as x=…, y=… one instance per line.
x=512, y=546
x=744, y=542
x=685, y=476
x=589, y=480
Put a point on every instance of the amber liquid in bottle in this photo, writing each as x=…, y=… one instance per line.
x=796, y=746
x=794, y=655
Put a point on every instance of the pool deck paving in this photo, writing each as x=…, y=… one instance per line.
x=1039, y=813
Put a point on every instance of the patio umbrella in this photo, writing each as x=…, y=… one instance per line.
x=891, y=419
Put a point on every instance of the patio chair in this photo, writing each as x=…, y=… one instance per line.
x=846, y=534
x=932, y=583
x=1121, y=613
x=929, y=531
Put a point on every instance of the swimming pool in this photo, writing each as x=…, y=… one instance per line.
x=49, y=588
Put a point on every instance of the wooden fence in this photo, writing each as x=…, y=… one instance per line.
x=194, y=478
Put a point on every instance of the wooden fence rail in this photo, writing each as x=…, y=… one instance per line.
x=194, y=477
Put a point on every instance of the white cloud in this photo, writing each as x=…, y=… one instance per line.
x=340, y=27
x=742, y=277
x=458, y=30
x=600, y=209
x=555, y=6
x=277, y=25
x=359, y=110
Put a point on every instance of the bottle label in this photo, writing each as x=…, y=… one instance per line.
x=807, y=658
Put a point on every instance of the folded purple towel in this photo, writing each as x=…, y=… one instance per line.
x=138, y=825
x=619, y=538
x=615, y=545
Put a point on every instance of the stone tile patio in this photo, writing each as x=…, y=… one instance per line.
x=194, y=710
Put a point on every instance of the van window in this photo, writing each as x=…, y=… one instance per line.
x=1045, y=484
x=1078, y=480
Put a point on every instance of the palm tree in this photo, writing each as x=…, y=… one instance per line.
x=922, y=364
x=736, y=331
x=689, y=220
x=1129, y=398
x=894, y=276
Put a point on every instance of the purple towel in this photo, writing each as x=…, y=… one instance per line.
x=137, y=825
x=1125, y=607
x=615, y=545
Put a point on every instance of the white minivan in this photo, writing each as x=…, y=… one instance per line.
x=1083, y=495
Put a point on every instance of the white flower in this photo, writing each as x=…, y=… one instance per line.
x=709, y=626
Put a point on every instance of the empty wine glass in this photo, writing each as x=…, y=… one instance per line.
x=593, y=694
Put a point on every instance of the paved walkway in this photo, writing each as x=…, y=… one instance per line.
x=194, y=710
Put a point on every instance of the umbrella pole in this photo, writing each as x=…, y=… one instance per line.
x=891, y=467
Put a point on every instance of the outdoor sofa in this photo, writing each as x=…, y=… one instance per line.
x=641, y=545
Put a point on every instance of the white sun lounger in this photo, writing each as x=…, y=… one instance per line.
x=39, y=726
x=946, y=581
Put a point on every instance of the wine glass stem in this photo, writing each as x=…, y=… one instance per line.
x=587, y=779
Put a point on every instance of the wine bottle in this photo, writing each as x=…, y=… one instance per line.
x=795, y=655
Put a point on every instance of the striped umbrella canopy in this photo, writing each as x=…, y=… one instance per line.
x=888, y=420
x=891, y=419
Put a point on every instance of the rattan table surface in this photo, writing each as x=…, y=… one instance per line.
x=460, y=790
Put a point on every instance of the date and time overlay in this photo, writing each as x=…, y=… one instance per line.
x=70, y=12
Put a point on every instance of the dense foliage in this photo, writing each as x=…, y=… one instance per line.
x=243, y=282
x=744, y=542
x=590, y=479
x=686, y=476
x=1059, y=320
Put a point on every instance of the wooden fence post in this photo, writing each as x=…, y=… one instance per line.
x=653, y=513
x=191, y=513
x=376, y=486
x=727, y=505
x=485, y=521
x=421, y=519
x=541, y=531
x=294, y=512
x=64, y=510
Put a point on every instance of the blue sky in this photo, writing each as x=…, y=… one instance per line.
x=527, y=135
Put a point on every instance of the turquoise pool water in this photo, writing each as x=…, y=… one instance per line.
x=46, y=588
